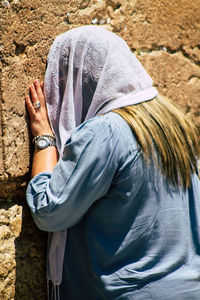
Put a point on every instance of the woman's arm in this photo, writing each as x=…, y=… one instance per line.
x=82, y=175
x=45, y=159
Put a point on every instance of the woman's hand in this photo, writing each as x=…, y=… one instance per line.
x=39, y=121
x=45, y=159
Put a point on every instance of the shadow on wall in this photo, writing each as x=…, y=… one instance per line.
x=30, y=251
x=30, y=256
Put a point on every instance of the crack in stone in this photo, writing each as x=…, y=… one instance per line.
x=193, y=77
x=185, y=54
x=17, y=184
x=20, y=48
x=166, y=49
x=2, y=128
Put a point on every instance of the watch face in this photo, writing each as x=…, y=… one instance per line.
x=42, y=143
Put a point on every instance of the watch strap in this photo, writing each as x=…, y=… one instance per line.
x=51, y=136
x=51, y=141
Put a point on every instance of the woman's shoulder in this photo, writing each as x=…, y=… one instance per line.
x=110, y=126
x=111, y=122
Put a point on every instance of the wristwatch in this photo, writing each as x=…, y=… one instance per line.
x=44, y=141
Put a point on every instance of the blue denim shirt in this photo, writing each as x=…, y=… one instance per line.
x=130, y=234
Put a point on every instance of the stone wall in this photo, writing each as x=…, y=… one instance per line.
x=164, y=34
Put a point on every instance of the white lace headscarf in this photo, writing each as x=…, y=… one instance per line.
x=90, y=72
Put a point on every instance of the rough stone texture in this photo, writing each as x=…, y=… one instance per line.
x=22, y=255
x=165, y=37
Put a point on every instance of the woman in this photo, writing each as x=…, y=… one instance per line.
x=122, y=177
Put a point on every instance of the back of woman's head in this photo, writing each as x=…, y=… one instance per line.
x=92, y=71
x=165, y=136
x=89, y=71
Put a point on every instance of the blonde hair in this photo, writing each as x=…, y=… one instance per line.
x=159, y=125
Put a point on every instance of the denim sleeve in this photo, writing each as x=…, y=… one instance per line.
x=82, y=176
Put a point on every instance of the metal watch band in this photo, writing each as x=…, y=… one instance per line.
x=51, y=136
x=44, y=141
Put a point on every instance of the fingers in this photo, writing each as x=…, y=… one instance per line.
x=36, y=93
x=39, y=122
x=42, y=86
x=39, y=91
x=29, y=105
